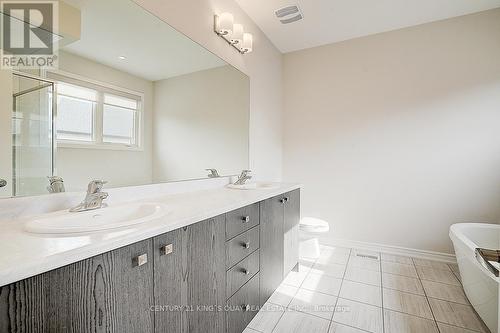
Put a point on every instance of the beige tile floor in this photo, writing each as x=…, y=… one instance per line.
x=357, y=291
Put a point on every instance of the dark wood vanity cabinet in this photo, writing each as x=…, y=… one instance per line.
x=208, y=277
x=170, y=281
x=111, y=292
x=279, y=254
x=271, y=246
x=291, y=231
x=190, y=278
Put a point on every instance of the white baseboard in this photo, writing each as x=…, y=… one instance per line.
x=396, y=250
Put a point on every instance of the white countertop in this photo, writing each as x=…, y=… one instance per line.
x=23, y=254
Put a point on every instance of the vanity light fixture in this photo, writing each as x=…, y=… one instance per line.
x=247, y=44
x=237, y=35
x=233, y=33
x=122, y=57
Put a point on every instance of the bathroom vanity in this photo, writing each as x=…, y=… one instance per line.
x=209, y=275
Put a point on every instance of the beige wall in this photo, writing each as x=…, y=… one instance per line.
x=264, y=66
x=119, y=167
x=396, y=136
x=200, y=121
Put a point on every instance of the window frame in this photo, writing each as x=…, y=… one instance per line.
x=101, y=88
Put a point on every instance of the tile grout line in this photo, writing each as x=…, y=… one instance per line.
x=350, y=326
x=340, y=289
x=357, y=301
x=298, y=288
x=445, y=300
x=420, y=279
x=427, y=299
x=436, y=269
x=408, y=314
x=462, y=328
x=402, y=291
x=282, y=283
x=308, y=313
x=279, y=319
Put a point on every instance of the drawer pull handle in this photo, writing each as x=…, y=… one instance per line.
x=246, y=245
x=166, y=249
x=282, y=201
x=245, y=219
x=245, y=307
x=287, y=199
x=245, y=271
x=140, y=260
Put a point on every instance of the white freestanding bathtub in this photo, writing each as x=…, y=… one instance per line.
x=479, y=278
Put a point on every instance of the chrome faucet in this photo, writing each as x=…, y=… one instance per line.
x=56, y=184
x=213, y=173
x=94, y=197
x=245, y=175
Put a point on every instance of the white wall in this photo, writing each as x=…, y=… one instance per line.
x=396, y=136
x=118, y=167
x=264, y=66
x=200, y=121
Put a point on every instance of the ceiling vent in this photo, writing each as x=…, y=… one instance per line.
x=289, y=14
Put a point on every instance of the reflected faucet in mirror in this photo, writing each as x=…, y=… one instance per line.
x=213, y=173
x=93, y=199
x=56, y=184
x=141, y=114
x=245, y=175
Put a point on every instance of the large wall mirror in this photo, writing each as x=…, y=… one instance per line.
x=132, y=102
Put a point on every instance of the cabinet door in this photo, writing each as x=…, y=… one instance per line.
x=271, y=246
x=128, y=284
x=169, y=282
x=81, y=289
x=291, y=232
x=205, y=274
x=22, y=306
x=105, y=293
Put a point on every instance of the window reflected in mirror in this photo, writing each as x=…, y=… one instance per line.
x=132, y=102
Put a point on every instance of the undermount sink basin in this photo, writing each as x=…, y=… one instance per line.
x=96, y=220
x=254, y=186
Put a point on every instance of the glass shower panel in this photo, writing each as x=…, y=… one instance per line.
x=32, y=139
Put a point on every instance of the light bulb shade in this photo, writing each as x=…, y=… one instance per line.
x=237, y=35
x=225, y=24
x=247, y=44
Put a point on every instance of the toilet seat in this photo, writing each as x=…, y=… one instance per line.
x=312, y=225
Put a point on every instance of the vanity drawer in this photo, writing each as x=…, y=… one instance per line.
x=241, y=246
x=240, y=273
x=243, y=306
x=241, y=219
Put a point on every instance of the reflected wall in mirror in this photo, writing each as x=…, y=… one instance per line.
x=132, y=102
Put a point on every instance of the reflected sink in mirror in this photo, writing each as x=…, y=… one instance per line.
x=113, y=217
x=254, y=186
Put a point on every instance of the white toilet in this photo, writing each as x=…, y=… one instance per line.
x=309, y=230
